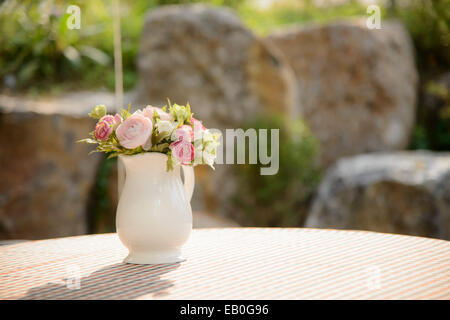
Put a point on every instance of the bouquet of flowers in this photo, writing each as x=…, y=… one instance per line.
x=174, y=132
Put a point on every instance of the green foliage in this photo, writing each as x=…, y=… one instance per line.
x=296, y=12
x=170, y=161
x=125, y=113
x=432, y=130
x=37, y=49
x=280, y=199
x=181, y=114
x=229, y=3
x=98, y=111
x=429, y=25
x=101, y=206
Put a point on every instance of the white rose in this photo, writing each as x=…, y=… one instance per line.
x=165, y=126
x=211, y=146
x=207, y=136
x=198, y=157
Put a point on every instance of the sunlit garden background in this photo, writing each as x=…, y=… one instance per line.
x=354, y=107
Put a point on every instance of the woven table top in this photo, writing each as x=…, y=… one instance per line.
x=234, y=263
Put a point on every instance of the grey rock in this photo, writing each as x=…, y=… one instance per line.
x=400, y=192
x=46, y=176
x=356, y=86
x=204, y=55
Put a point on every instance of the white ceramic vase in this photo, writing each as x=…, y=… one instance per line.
x=154, y=217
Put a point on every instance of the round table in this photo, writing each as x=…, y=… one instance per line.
x=234, y=263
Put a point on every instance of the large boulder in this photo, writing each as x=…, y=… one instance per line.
x=356, y=86
x=205, y=55
x=402, y=192
x=46, y=177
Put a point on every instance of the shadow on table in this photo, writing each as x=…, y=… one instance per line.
x=117, y=281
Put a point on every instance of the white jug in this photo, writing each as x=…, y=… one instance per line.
x=154, y=216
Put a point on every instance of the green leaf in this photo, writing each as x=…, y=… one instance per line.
x=159, y=147
x=95, y=54
x=125, y=113
x=189, y=113
x=112, y=155
x=88, y=140
x=160, y=137
x=93, y=151
x=156, y=117
x=170, y=161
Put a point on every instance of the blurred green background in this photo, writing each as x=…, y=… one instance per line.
x=38, y=53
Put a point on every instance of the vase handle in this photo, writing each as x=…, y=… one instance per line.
x=189, y=180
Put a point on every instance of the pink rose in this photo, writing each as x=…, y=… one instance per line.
x=149, y=111
x=183, y=151
x=102, y=130
x=185, y=132
x=164, y=115
x=113, y=121
x=118, y=119
x=198, y=126
x=135, y=131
